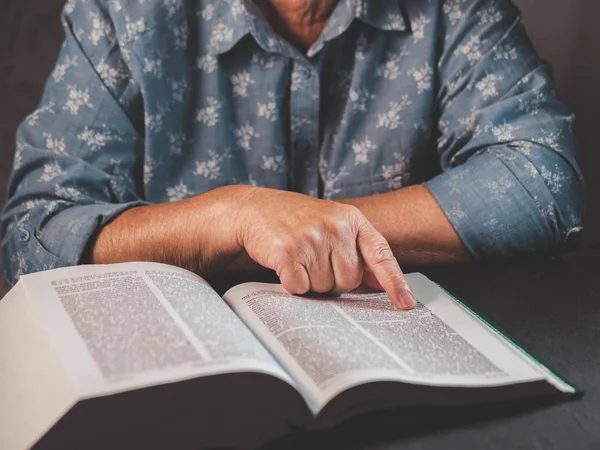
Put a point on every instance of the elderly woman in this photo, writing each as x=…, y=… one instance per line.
x=329, y=141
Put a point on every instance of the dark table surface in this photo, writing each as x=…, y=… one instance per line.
x=549, y=305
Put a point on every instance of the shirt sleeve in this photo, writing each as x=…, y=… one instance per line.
x=79, y=155
x=510, y=183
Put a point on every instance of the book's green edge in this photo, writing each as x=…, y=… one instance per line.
x=578, y=393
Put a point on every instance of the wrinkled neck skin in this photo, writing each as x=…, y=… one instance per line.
x=301, y=22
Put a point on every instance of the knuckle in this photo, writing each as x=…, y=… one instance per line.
x=381, y=253
x=340, y=228
x=350, y=210
x=312, y=236
x=351, y=275
x=295, y=279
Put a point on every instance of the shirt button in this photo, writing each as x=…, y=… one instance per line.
x=24, y=236
x=304, y=73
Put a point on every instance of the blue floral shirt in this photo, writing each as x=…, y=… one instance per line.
x=159, y=100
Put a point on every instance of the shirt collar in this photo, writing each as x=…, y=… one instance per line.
x=382, y=14
x=231, y=20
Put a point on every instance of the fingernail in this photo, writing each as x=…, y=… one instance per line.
x=407, y=299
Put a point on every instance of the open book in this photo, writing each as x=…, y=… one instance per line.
x=145, y=355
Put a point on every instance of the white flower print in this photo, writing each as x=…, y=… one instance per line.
x=550, y=138
x=331, y=178
x=361, y=48
x=208, y=12
x=120, y=178
x=117, y=6
x=266, y=60
x=523, y=147
x=390, y=69
x=296, y=124
x=452, y=9
x=61, y=69
x=396, y=173
x=155, y=122
x=532, y=105
x=273, y=163
x=19, y=260
x=504, y=132
x=179, y=90
x=503, y=154
x=296, y=81
x=273, y=42
x=181, y=34
x=472, y=49
x=153, y=67
x=530, y=167
x=456, y=212
x=110, y=75
x=361, y=6
x=211, y=114
x=490, y=14
x=220, y=33
x=395, y=22
x=134, y=29
x=18, y=159
x=360, y=98
x=67, y=192
x=268, y=110
x=53, y=145
x=149, y=168
x=469, y=121
x=250, y=181
x=171, y=6
x=487, y=85
x=177, y=141
x=245, y=134
x=79, y=33
x=391, y=119
x=237, y=7
x=240, y=82
x=500, y=187
x=101, y=28
x=207, y=63
x=418, y=27
x=178, y=192
x=423, y=77
x=32, y=119
x=505, y=51
x=361, y=150
x=211, y=168
x=77, y=99
x=32, y=204
x=70, y=6
x=553, y=178
x=51, y=171
x=95, y=140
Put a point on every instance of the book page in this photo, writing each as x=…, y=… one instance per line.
x=330, y=345
x=123, y=326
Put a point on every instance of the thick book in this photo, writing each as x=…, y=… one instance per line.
x=145, y=355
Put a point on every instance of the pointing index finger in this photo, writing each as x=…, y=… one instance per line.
x=380, y=261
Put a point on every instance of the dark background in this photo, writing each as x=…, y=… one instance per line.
x=565, y=32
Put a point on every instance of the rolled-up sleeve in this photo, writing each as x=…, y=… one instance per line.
x=510, y=183
x=79, y=155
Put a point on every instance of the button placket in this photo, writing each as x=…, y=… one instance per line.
x=304, y=136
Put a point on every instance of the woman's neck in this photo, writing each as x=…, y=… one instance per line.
x=301, y=22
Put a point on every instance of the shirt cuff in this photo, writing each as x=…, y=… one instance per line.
x=66, y=236
x=492, y=212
